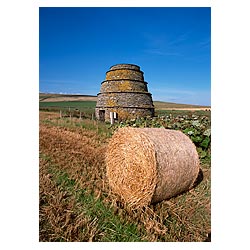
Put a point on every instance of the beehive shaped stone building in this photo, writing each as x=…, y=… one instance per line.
x=124, y=92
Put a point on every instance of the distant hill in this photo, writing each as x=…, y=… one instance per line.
x=159, y=105
x=178, y=106
x=46, y=97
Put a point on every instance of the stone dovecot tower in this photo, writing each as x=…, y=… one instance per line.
x=124, y=92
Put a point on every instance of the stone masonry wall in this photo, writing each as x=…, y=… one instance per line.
x=124, y=86
x=125, y=113
x=130, y=99
x=124, y=74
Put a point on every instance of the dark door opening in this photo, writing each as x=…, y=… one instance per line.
x=102, y=115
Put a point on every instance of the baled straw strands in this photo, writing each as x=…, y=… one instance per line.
x=147, y=165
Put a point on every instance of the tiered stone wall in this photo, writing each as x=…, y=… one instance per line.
x=118, y=74
x=125, y=92
x=124, y=86
x=125, y=99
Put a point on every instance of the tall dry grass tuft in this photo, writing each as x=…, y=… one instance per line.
x=59, y=217
x=79, y=153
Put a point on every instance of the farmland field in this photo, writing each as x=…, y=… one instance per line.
x=75, y=201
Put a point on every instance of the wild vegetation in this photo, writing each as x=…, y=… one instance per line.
x=76, y=203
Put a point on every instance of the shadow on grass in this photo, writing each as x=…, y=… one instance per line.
x=198, y=179
x=208, y=239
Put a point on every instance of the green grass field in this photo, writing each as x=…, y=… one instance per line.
x=69, y=104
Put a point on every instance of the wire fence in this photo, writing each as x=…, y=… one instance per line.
x=71, y=111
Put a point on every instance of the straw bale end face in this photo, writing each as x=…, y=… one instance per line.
x=147, y=165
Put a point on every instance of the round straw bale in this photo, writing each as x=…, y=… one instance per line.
x=148, y=165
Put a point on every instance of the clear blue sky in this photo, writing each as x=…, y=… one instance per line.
x=171, y=45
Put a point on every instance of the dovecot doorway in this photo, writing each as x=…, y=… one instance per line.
x=102, y=115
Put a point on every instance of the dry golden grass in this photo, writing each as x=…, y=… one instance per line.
x=48, y=115
x=63, y=98
x=59, y=218
x=75, y=152
x=178, y=106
